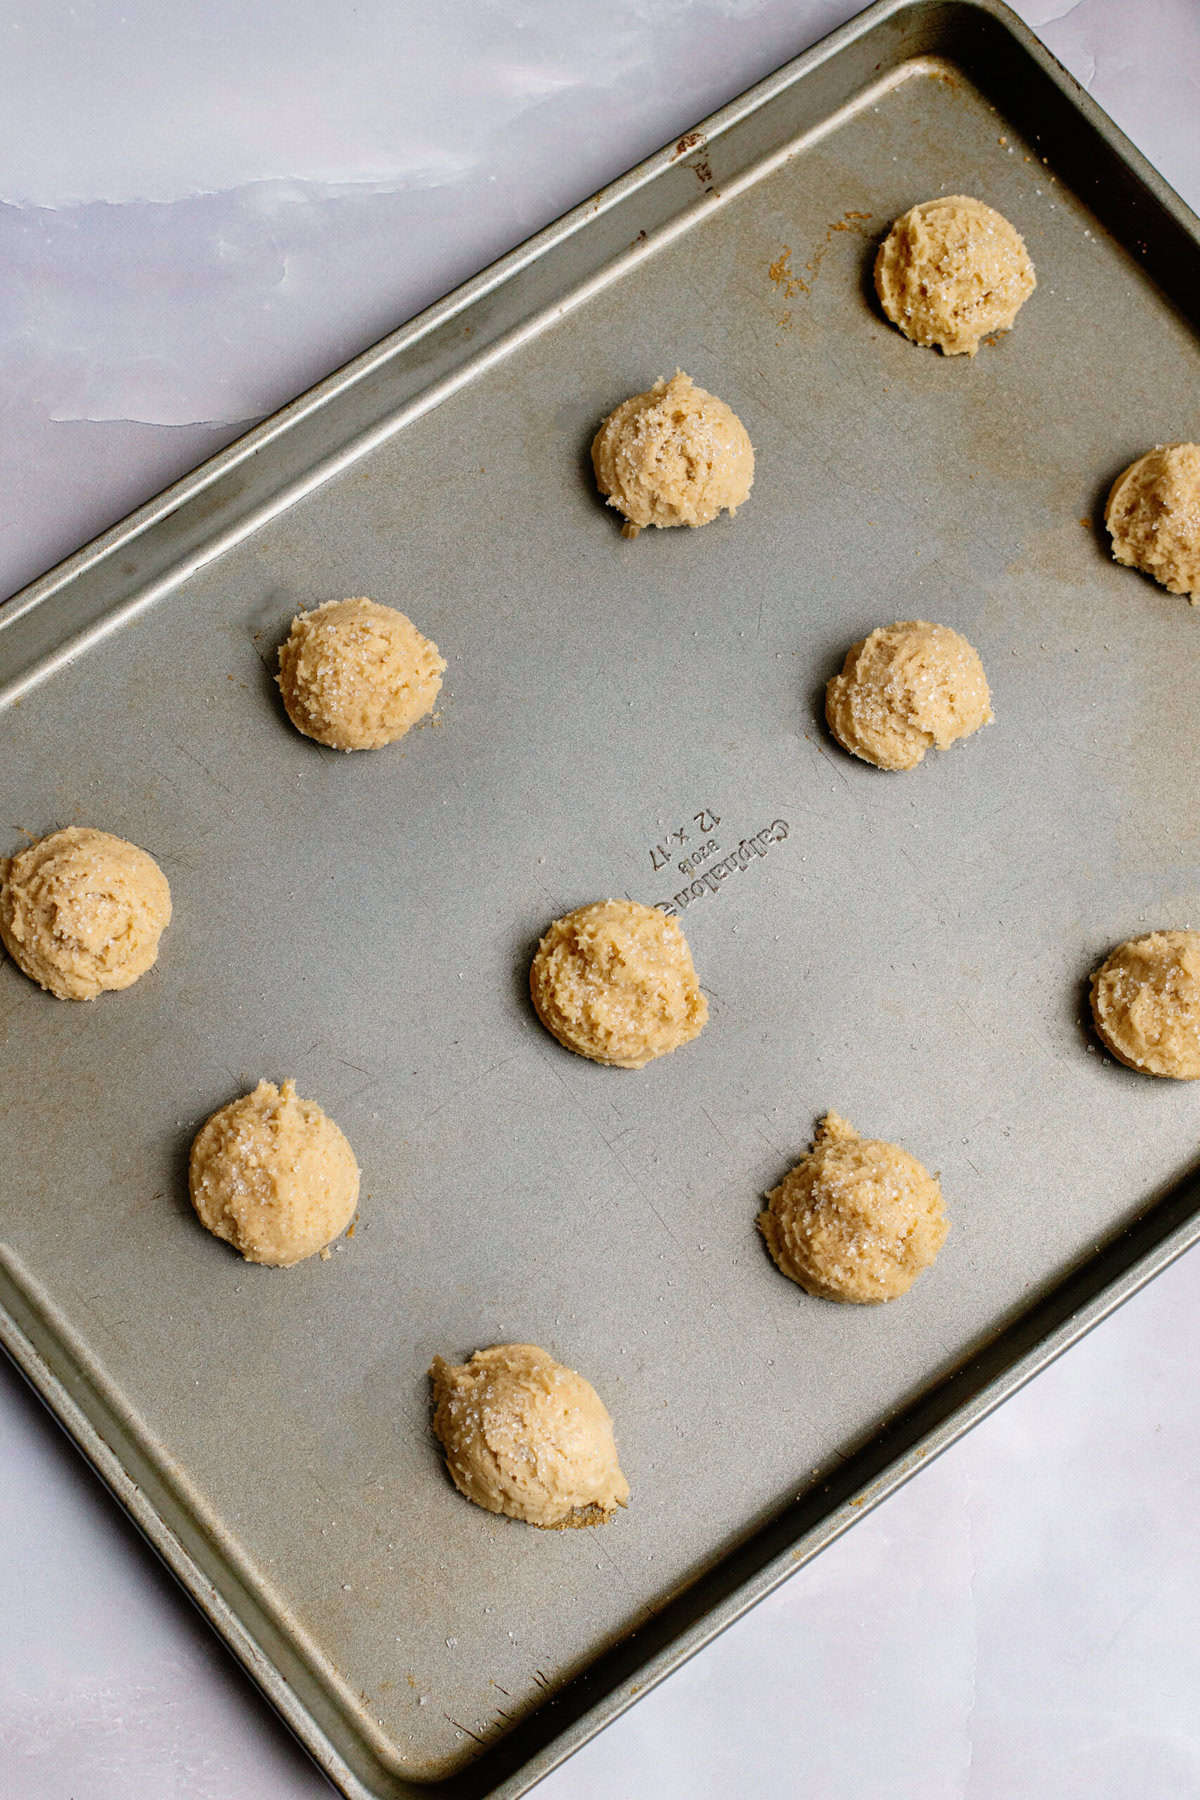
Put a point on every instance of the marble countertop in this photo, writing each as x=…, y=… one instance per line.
x=202, y=210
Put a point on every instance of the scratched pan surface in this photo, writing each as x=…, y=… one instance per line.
x=910, y=950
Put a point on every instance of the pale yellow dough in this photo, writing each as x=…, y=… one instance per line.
x=857, y=1219
x=614, y=981
x=355, y=675
x=952, y=271
x=81, y=912
x=1146, y=1003
x=525, y=1436
x=904, y=689
x=1153, y=514
x=673, y=456
x=273, y=1176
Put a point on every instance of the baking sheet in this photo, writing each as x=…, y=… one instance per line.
x=911, y=951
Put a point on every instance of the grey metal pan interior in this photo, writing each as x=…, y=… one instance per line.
x=912, y=950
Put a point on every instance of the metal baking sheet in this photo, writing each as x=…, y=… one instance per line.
x=909, y=950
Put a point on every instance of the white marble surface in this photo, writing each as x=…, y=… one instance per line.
x=203, y=208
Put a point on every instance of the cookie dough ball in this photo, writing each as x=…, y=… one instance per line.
x=614, y=981
x=856, y=1219
x=527, y=1437
x=673, y=456
x=1146, y=1003
x=906, y=687
x=273, y=1176
x=354, y=674
x=952, y=271
x=81, y=912
x=1153, y=513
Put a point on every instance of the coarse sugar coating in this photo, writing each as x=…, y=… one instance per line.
x=355, y=675
x=272, y=1175
x=951, y=271
x=81, y=912
x=525, y=1436
x=614, y=981
x=904, y=689
x=674, y=455
x=1146, y=1003
x=857, y=1219
x=1153, y=515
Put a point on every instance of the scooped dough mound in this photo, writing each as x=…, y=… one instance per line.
x=273, y=1176
x=1146, y=1003
x=354, y=674
x=525, y=1436
x=673, y=456
x=856, y=1219
x=614, y=981
x=81, y=912
x=905, y=688
x=951, y=271
x=1153, y=513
